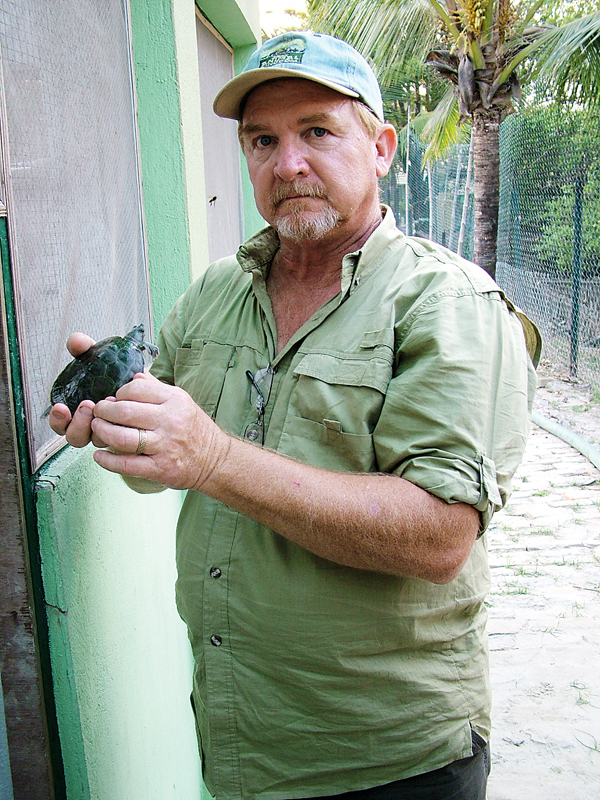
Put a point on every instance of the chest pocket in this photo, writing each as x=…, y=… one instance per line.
x=348, y=390
x=201, y=370
x=335, y=406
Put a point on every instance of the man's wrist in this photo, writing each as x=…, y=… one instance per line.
x=219, y=450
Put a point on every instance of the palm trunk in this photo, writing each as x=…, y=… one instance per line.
x=486, y=191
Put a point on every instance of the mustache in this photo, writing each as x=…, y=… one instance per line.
x=287, y=190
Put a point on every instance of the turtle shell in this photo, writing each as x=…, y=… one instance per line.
x=103, y=369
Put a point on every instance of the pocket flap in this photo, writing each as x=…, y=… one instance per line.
x=372, y=339
x=373, y=372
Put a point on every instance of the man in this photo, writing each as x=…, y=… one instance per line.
x=346, y=410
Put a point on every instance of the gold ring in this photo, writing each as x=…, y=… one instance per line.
x=142, y=442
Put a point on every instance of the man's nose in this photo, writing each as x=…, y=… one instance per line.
x=290, y=162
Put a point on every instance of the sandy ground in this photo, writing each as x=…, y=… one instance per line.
x=544, y=612
x=568, y=401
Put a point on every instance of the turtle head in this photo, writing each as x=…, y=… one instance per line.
x=136, y=334
x=149, y=350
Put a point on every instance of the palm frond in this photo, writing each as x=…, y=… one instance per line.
x=390, y=33
x=569, y=57
x=419, y=123
x=443, y=129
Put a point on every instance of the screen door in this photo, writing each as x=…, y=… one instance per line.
x=70, y=163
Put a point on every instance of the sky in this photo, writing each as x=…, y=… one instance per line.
x=273, y=13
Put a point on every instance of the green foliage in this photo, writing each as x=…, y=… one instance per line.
x=484, y=50
x=297, y=20
x=569, y=60
x=555, y=40
x=555, y=246
x=559, y=11
x=395, y=37
x=442, y=129
x=544, y=149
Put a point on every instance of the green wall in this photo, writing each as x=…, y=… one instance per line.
x=161, y=152
x=121, y=661
x=120, y=657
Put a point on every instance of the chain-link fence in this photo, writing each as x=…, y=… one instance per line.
x=430, y=201
x=549, y=237
x=549, y=229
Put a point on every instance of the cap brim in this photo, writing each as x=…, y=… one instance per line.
x=228, y=101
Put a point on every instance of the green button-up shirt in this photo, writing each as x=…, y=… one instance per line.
x=313, y=678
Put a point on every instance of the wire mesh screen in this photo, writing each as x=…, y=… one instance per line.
x=406, y=189
x=77, y=247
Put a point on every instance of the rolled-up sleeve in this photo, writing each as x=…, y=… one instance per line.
x=456, y=416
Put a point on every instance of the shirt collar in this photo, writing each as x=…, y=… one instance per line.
x=257, y=252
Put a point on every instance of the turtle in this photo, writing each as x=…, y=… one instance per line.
x=101, y=370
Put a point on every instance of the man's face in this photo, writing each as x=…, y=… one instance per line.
x=312, y=163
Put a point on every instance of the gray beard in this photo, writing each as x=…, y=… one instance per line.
x=298, y=228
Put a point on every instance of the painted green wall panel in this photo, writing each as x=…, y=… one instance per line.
x=161, y=149
x=237, y=22
x=119, y=650
x=186, y=54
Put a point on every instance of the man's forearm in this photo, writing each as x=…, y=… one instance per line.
x=367, y=521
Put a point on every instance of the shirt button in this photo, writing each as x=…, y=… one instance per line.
x=215, y=572
x=216, y=640
x=252, y=434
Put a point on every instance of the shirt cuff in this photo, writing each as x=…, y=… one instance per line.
x=456, y=479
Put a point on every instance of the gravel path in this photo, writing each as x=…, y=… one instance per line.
x=544, y=610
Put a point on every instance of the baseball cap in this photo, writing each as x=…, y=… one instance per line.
x=317, y=57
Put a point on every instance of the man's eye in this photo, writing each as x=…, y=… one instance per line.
x=319, y=132
x=264, y=141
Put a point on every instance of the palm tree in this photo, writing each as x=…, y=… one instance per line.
x=479, y=48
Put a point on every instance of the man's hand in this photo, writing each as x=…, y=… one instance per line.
x=183, y=444
x=78, y=428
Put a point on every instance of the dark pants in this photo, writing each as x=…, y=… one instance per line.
x=465, y=779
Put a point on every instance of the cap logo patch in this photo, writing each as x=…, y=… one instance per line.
x=289, y=52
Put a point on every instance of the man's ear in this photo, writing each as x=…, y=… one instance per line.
x=385, y=144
